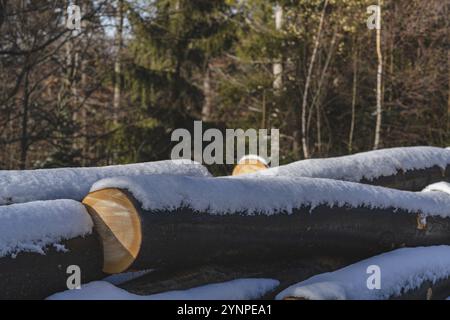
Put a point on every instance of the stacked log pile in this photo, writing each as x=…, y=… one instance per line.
x=200, y=230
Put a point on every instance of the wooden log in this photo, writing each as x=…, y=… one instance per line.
x=411, y=168
x=118, y=223
x=20, y=186
x=404, y=274
x=286, y=271
x=36, y=276
x=249, y=165
x=439, y=290
x=38, y=241
x=412, y=180
x=182, y=237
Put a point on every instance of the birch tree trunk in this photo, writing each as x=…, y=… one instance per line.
x=379, y=80
x=316, y=103
x=354, y=92
x=117, y=64
x=278, y=66
x=308, y=82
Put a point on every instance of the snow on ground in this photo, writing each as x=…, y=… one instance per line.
x=240, y=289
x=74, y=183
x=32, y=226
x=367, y=165
x=119, y=278
x=270, y=195
x=402, y=270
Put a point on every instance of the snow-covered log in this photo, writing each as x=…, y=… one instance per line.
x=238, y=289
x=409, y=168
x=39, y=241
x=287, y=271
x=74, y=183
x=159, y=220
x=407, y=273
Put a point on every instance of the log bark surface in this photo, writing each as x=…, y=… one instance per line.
x=182, y=238
x=440, y=290
x=286, y=271
x=36, y=276
x=188, y=238
x=412, y=180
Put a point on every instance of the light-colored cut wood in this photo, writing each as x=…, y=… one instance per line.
x=248, y=166
x=119, y=226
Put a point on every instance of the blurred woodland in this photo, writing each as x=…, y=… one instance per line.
x=113, y=92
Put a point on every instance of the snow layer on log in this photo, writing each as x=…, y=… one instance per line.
x=74, y=183
x=402, y=270
x=440, y=186
x=253, y=157
x=366, y=165
x=240, y=289
x=32, y=226
x=269, y=195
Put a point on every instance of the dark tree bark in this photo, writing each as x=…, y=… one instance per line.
x=182, y=238
x=36, y=276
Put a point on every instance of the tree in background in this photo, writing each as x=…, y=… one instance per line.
x=114, y=92
x=168, y=71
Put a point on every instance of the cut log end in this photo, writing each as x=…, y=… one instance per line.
x=248, y=166
x=118, y=223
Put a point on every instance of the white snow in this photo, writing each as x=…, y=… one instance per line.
x=367, y=165
x=74, y=183
x=253, y=157
x=440, y=186
x=402, y=270
x=240, y=289
x=32, y=226
x=269, y=195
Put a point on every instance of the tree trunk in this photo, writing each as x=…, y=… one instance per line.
x=379, y=81
x=118, y=42
x=354, y=93
x=79, y=92
x=83, y=110
x=25, y=115
x=207, y=103
x=308, y=82
x=278, y=66
x=264, y=120
x=448, y=97
x=317, y=97
x=2, y=11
